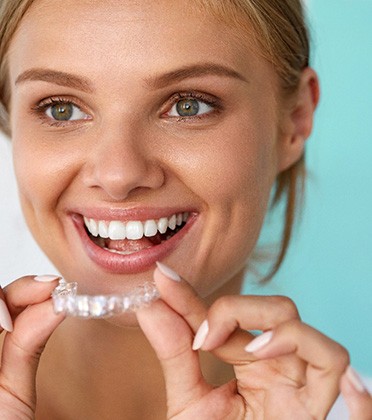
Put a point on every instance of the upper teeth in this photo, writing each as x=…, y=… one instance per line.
x=117, y=230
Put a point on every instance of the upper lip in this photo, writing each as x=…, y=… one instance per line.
x=126, y=215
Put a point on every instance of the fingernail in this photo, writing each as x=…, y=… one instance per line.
x=46, y=278
x=259, y=342
x=168, y=272
x=200, y=335
x=355, y=380
x=5, y=318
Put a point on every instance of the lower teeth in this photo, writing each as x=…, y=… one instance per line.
x=115, y=251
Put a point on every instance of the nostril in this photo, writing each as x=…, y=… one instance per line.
x=120, y=177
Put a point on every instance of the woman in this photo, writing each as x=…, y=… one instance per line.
x=146, y=132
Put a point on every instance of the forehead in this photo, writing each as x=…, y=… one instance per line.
x=125, y=37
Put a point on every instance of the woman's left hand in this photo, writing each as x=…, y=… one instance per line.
x=291, y=371
x=356, y=396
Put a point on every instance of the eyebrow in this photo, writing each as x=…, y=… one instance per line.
x=57, y=77
x=188, y=72
x=157, y=82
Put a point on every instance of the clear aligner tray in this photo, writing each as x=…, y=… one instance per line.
x=67, y=301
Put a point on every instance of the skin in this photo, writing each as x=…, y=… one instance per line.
x=127, y=151
x=358, y=399
x=162, y=160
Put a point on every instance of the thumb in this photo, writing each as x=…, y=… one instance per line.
x=23, y=346
x=171, y=338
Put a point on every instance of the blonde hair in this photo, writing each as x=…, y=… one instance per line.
x=278, y=27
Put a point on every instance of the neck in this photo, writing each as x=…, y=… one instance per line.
x=103, y=371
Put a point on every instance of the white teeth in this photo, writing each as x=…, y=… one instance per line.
x=172, y=222
x=163, y=225
x=134, y=230
x=117, y=230
x=93, y=227
x=91, y=224
x=103, y=229
x=150, y=228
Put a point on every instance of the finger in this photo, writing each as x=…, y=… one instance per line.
x=326, y=360
x=247, y=313
x=181, y=297
x=21, y=293
x=29, y=290
x=23, y=347
x=171, y=338
x=6, y=322
x=229, y=318
x=356, y=396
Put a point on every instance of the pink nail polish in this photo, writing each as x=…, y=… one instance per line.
x=200, y=335
x=168, y=272
x=259, y=342
x=46, y=278
x=5, y=319
x=355, y=380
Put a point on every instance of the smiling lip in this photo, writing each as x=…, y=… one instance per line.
x=132, y=263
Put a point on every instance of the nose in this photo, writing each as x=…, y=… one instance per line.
x=121, y=162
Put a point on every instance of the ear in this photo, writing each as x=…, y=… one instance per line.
x=297, y=120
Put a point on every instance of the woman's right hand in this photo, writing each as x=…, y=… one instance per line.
x=26, y=310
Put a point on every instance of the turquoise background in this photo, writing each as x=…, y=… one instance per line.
x=328, y=271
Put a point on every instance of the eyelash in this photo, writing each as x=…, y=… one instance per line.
x=207, y=99
x=40, y=108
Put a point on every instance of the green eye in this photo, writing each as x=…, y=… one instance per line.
x=187, y=107
x=190, y=107
x=62, y=112
x=65, y=111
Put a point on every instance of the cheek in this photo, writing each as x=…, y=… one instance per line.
x=233, y=179
x=42, y=173
x=237, y=169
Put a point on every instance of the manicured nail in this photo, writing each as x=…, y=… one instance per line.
x=168, y=272
x=46, y=278
x=259, y=342
x=200, y=335
x=355, y=380
x=5, y=318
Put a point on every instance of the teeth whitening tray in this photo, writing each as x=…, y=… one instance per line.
x=67, y=301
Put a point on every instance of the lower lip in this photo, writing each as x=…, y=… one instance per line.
x=133, y=263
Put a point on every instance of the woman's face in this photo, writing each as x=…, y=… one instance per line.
x=136, y=116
